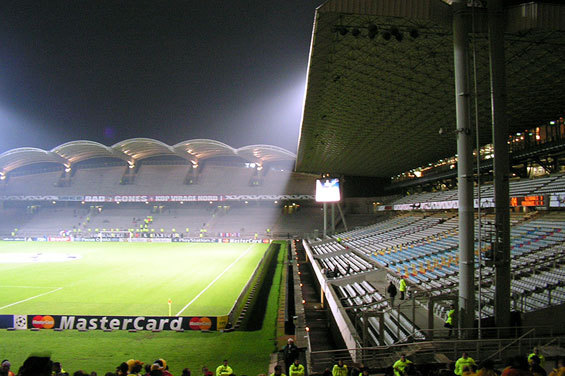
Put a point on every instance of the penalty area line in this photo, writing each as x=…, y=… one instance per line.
x=33, y=297
x=215, y=279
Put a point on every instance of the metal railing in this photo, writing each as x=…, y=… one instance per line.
x=506, y=342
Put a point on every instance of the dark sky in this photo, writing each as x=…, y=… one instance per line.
x=106, y=71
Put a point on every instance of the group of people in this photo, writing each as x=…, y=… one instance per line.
x=44, y=366
x=532, y=365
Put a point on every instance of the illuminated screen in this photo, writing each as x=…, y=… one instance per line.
x=327, y=190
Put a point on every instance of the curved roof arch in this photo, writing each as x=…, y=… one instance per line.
x=202, y=148
x=265, y=153
x=76, y=151
x=135, y=149
x=141, y=148
x=15, y=158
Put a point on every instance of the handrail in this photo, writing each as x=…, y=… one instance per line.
x=511, y=343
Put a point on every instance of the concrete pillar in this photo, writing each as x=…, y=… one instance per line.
x=501, y=162
x=465, y=164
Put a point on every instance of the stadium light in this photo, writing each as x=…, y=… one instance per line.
x=2, y=176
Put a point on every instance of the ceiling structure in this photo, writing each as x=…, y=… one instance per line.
x=380, y=96
x=137, y=149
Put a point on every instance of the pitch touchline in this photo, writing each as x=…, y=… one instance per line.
x=33, y=297
x=214, y=281
x=27, y=287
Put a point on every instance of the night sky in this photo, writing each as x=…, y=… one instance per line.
x=234, y=71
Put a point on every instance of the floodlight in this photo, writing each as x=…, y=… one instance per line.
x=327, y=190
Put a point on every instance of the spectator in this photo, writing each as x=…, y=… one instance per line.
x=535, y=367
x=224, y=369
x=401, y=365
x=537, y=353
x=559, y=369
x=391, y=291
x=327, y=372
x=517, y=366
x=5, y=366
x=147, y=369
x=296, y=369
x=162, y=366
x=339, y=369
x=134, y=367
x=206, y=371
x=464, y=361
x=122, y=369
x=486, y=368
x=290, y=353
x=36, y=366
x=470, y=370
x=278, y=371
x=58, y=369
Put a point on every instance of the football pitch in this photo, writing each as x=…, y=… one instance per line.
x=124, y=279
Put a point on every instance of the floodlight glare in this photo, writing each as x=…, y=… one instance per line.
x=327, y=190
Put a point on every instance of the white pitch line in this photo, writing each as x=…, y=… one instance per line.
x=33, y=297
x=27, y=287
x=215, y=279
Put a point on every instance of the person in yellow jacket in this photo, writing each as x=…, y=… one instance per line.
x=224, y=369
x=296, y=369
x=401, y=365
x=538, y=354
x=402, y=287
x=464, y=361
x=449, y=322
x=340, y=369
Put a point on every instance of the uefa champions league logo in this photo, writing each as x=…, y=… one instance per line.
x=20, y=321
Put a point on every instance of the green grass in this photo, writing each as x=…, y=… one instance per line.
x=248, y=352
x=126, y=278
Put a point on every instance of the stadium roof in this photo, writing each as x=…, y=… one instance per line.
x=381, y=89
x=136, y=149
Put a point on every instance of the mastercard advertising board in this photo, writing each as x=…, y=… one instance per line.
x=69, y=322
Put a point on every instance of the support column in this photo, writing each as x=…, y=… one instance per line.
x=501, y=163
x=325, y=220
x=333, y=217
x=466, y=311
